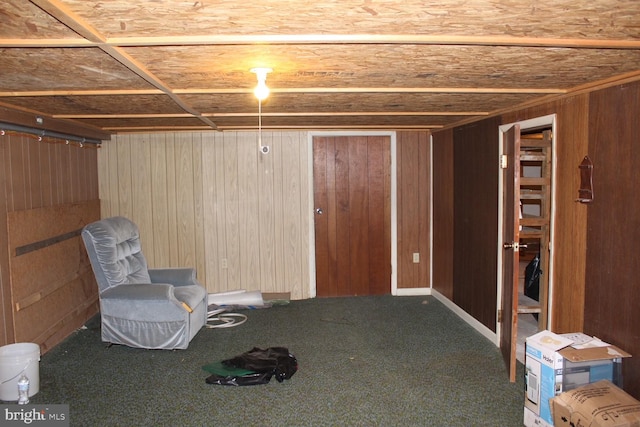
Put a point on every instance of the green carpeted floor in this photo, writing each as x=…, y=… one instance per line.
x=363, y=361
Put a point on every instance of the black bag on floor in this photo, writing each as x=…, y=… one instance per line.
x=532, y=278
x=263, y=364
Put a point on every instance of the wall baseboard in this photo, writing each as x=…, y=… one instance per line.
x=488, y=333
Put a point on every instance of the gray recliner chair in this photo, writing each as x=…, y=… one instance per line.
x=141, y=307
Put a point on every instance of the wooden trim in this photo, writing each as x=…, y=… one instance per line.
x=376, y=90
x=586, y=88
x=36, y=93
x=51, y=288
x=287, y=114
x=76, y=23
x=200, y=91
x=136, y=129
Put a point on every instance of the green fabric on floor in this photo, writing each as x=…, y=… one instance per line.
x=223, y=370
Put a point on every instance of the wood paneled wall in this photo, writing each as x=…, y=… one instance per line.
x=570, y=218
x=594, y=286
x=212, y=201
x=612, y=288
x=442, y=275
x=37, y=175
x=475, y=213
x=413, y=205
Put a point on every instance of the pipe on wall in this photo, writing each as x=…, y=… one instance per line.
x=48, y=133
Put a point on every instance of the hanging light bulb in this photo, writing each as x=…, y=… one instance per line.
x=261, y=91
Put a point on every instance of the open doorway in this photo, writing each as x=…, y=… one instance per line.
x=534, y=192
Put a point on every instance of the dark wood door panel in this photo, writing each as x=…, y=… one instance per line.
x=351, y=189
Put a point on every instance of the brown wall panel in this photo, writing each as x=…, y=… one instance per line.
x=412, y=151
x=6, y=314
x=34, y=175
x=443, y=213
x=475, y=210
x=612, y=290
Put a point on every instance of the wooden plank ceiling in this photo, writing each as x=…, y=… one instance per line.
x=143, y=65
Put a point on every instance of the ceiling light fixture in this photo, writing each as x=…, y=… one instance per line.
x=261, y=92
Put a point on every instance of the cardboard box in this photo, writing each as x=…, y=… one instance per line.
x=554, y=363
x=600, y=404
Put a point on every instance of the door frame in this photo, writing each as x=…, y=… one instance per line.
x=525, y=125
x=311, y=220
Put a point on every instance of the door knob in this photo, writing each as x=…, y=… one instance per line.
x=319, y=211
x=514, y=245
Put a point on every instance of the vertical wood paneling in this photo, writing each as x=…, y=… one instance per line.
x=292, y=197
x=46, y=173
x=198, y=207
x=267, y=210
x=475, y=204
x=248, y=211
x=172, y=201
x=64, y=170
x=210, y=212
x=379, y=177
x=33, y=175
x=300, y=286
x=17, y=191
x=141, y=192
x=159, y=200
x=35, y=172
x=443, y=213
x=123, y=176
x=210, y=197
x=612, y=294
x=185, y=219
x=413, y=208
x=232, y=211
x=6, y=313
x=570, y=219
x=424, y=209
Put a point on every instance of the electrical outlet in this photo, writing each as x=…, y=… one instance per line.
x=223, y=263
x=416, y=257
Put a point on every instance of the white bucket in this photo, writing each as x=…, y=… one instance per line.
x=15, y=360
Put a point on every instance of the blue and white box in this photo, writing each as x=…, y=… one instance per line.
x=556, y=363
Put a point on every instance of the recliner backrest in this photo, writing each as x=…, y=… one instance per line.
x=114, y=249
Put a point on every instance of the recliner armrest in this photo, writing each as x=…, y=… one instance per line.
x=178, y=276
x=141, y=292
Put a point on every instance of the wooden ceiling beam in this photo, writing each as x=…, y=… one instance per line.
x=145, y=129
x=93, y=38
x=412, y=39
x=65, y=15
x=106, y=92
x=353, y=114
x=68, y=17
x=65, y=92
x=376, y=90
x=271, y=114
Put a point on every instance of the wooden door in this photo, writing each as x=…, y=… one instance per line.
x=510, y=258
x=352, y=195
